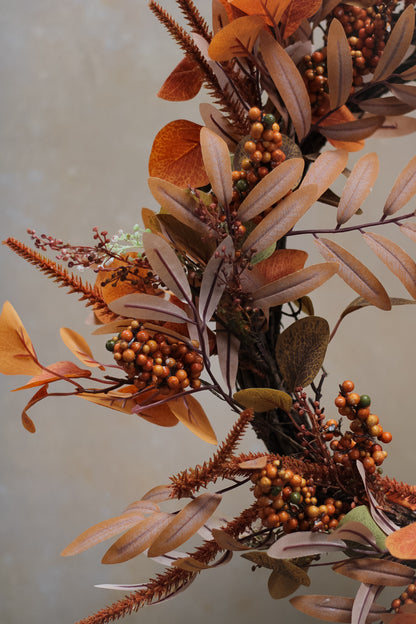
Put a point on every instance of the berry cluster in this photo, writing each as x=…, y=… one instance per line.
x=359, y=443
x=316, y=81
x=290, y=501
x=155, y=359
x=407, y=597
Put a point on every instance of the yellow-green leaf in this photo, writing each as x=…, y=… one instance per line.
x=263, y=399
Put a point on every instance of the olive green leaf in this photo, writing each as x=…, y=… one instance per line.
x=362, y=514
x=263, y=399
x=285, y=579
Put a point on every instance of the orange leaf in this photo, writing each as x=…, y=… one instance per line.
x=183, y=83
x=185, y=524
x=176, y=155
x=254, y=464
x=342, y=115
x=397, y=260
x=297, y=11
x=189, y=411
x=64, y=369
x=38, y=396
x=402, y=543
x=282, y=262
x=79, y=347
x=17, y=355
x=236, y=39
x=158, y=494
x=271, y=11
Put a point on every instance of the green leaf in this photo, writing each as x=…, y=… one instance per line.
x=300, y=350
x=362, y=514
x=285, y=579
x=263, y=399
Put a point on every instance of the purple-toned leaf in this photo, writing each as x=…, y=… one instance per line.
x=354, y=531
x=227, y=349
x=364, y=599
x=405, y=93
x=288, y=82
x=378, y=515
x=397, y=45
x=271, y=188
x=403, y=189
x=281, y=219
x=375, y=571
x=339, y=65
x=385, y=106
x=325, y=170
x=332, y=608
x=215, y=278
x=166, y=265
x=215, y=121
x=397, y=260
x=127, y=587
x=353, y=130
x=142, y=306
x=303, y=544
x=217, y=163
x=358, y=186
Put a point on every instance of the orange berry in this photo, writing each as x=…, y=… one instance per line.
x=254, y=114
x=372, y=420
x=271, y=471
x=340, y=401
x=386, y=437
x=347, y=385
x=352, y=398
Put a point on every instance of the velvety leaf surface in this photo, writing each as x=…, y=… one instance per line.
x=402, y=543
x=282, y=262
x=325, y=170
x=341, y=116
x=17, y=355
x=396, y=126
x=397, y=260
x=59, y=370
x=189, y=411
x=339, y=65
x=214, y=120
x=397, y=45
x=186, y=239
x=358, y=186
x=263, y=399
x=158, y=494
x=150, y=307
x=183, y=83
x=227, y=348
x=385, y=106
x=285, y=579
x=236, y=39
x=362, y=515
x=403, y=189
x=405, y=93
x=214, y=279
x=227, y=541
x=354, y=531
x=409, y=229
x=297, y=11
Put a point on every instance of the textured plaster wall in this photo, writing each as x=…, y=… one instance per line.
x=78, y=116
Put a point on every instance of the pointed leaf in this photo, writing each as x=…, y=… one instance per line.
x=217, y=165
x=362, y=515
x=353, y=130
x=358, y=186
x=409, y=74
x=297, y=12
x=79, y=347
x=374, y=571
x=288, y=82
x=166, y=265
x=339, y=65
x=402, y=543
x=405, y=93
x=189, y=411
x=271, y=188
x=341, y=115
x=143, y=507
x=185, y=524
x=176, y=155
x=254, y=464
x=281, y=262
x=214, y=120
x=332, y=608
x=271, y=12
x=101, y=532
x=281, y=219
x=363, y=601
x=354, y=273
x=403, y=189
x=236, y=39
x=227, y=349
x=17, y=355
x=27, y=422
x=54, y=372
x=303, y=544
x=397, y=260
x=214, y=279
x=183, y=83
x=263, y=399
x=409, y=229
x=158, y=494
x=325, y=170
x=397, y=45
x=227, y=541
x=190, y=564
x=286, y=579
x=354, y=531
x=396, y=126
x=385, y=106
x=141, y=306
x=137, y=539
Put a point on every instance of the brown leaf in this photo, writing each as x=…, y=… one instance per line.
x=397, y=45
x=79, y=347
x=409, y=229
x=326, y=169
x=341, y=116
x=271, y=188
x=27, y=422
x=236, y=39
x=257, y=463
x=403, y=189
x=189, y=411
x=385, y=106
x=298, y=11
x=358, y=186
x=332, y=608
x=285, y=579
x=101, y=532
x=280, y=263
x=185, y=239
x=396, y=126
x=353, y=130
x=137, y=539
x=339, y=65
x=149, y=218
x=375, y=571
x=405, y=93
x=185, y=524
x=176, y=155
x=142, y=506
x=59, y=370
x=300, y=351
x=360, y=302
x=397, y=260
x=183, y=83
x=271, y=12
x=227, y=541
x=148, y=307
x=409, y=74
x=281, y=219
x=303, y=544
x=402, y=543
x=263, y=399
x=158, y=494
x=17, y=355
x=288, y=82
x=166, y=264
x=214, y=120
x=190, y=564
x=354, y=273
x=217, y=164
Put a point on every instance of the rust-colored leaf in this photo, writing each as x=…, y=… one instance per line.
x=54, y=372
x=341, y=116
x=271, y=12
x=185, y=524
x=332, y=608
x=297, y=11
x=254, y=464
x=402, y=543
x=397, y=45
x=227, y=541
x=183, y=83
x=17, y=355
x=374, y=571
x=150, y=222
x=176, y=155
x=158, y=494
x=27, y=422
x=339, y=64
x=353, y=130
x=403, y=189
x=217, y=163
x=288, y=82
x=101, y=532
x=358, y=186
x=355, y=273
x=189, y=411
x=385, y=106
x=397, y=260
x=280, y=263
x=79, y=347
x=409, y=229
x=236, y=39
x=263, y=399
x=326, y=169
x=137, y=539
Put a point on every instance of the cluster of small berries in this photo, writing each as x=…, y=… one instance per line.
x=359, y=443
x=407, y=597
x=260, y=153
x=156, y=360
x=316, y=81
x=290, y=501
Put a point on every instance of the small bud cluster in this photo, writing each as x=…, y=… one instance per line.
x=406, y=597
x=156, y=360
x=290, y=501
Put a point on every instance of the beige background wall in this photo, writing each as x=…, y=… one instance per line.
x=79, y=113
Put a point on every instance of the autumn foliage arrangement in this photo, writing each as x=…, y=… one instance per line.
x=216, y=274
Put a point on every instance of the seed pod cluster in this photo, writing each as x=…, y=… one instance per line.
x=406, y=597
x=157, y=360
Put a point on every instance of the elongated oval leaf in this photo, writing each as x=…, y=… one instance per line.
x=402, y=543
x=363, y=601
x=353, y=130
x=190, y=564
x=394, y=126
x=281, y=219
x=397, y=260
x=358, y=186
x=405, y=93
x=79, y=347
x=101, y=532
x=288, y=82
x=409, y=229
x=17, y=355
x=263, y=399
x=258, y=463
x=409, y=74
x=141, y=306
x=375, y=571
x=142, y=506
x=339, y=64
x=137, y=539
x=185, y=524
x=397, y=45
x=271, y=188
x=158, y=494
x=354, y=273
x=236, y=38
x=217, y=164
x=227, y=348
x=189, y=411
x=214, y=120
x=354, y=531
x=303, y=544
x=166, y=265
x=214, y=279
x=325, y=170
x=332, y=608
x=58, y=370
x=385, y=106
x=227, y=541
x=403, y=189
